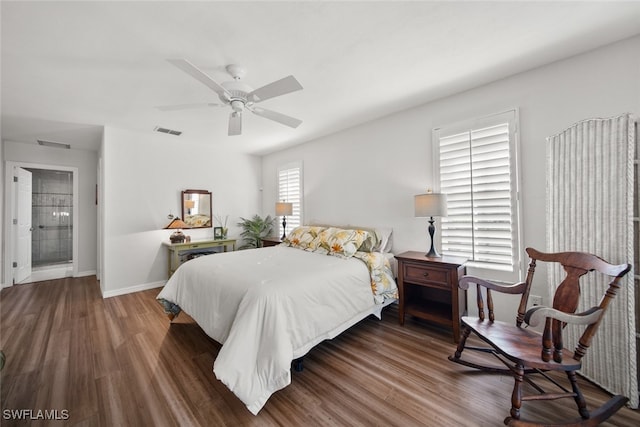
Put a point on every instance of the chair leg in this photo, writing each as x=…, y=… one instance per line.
x=463, y=339
x=579, y=398
x=516, y=395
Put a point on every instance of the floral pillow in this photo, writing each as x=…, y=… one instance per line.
x=340, y=242
x=383, y=285
x=303, y=237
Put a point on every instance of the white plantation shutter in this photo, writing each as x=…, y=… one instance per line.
x=290, y=190
x=477, y=171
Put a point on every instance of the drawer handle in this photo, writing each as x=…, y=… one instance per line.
x=425, y=274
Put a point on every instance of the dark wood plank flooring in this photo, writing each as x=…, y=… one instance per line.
x=120, y=362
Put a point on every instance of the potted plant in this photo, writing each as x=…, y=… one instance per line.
x=254, y=230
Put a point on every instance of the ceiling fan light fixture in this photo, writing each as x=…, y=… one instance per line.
x=237, y=105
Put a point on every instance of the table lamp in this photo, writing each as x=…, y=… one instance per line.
x=283, y=209
x=189, y=204
x=430, y=205
x=176, y=224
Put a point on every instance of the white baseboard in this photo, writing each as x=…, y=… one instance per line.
x=86, y=273
x=132, y=289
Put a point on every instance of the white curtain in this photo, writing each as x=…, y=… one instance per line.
x=590, y=190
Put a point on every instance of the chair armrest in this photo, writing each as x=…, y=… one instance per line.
x=517, y=288
x=535, y=315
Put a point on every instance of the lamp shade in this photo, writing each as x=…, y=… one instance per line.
x=430, y=204
x=177, y=223
x=284, y=208
x=189, y=204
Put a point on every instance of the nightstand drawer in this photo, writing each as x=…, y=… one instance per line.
x=421, y=274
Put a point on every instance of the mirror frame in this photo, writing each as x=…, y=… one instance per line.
x=207, y=217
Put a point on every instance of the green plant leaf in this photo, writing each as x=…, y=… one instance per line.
x=254, y=230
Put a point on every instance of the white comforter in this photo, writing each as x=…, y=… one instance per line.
x=267, y=307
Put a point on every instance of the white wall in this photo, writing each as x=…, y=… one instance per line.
x=143, y=175
x=369, y=174
x=86, y=162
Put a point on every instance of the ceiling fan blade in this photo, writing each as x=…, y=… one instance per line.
x=199, y=75
x=235, y=123
x=279, y=87
x=275, y=116
x=188, y=106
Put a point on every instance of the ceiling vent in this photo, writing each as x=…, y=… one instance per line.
x=169, y=131
x=54, y=144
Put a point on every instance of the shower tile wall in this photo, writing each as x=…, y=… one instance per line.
x=52, y=201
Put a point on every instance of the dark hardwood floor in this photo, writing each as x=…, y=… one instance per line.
x=120, y=362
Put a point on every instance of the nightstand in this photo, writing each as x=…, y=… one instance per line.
x=428, y=289
x=270, y=241
x=179, y=253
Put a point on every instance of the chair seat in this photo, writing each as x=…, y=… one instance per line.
x=519, y=345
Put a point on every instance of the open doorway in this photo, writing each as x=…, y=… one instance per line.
x=52, y=223
x=43, y=238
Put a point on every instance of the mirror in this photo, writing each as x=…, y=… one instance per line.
x=196, y=208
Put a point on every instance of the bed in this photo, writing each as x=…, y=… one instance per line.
x=270, y=306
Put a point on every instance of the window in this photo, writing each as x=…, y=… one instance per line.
x=476, y=168
x=290, y=190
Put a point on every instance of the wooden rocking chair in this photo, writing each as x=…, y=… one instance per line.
x=526, y=352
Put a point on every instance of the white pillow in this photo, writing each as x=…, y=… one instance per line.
x=385, y=235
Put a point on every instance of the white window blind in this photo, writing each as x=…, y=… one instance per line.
x=477, y=171
x=290, y=190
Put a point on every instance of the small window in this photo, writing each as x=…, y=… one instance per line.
x=476, y=166
x=290, y=190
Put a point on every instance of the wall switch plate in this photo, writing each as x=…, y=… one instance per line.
x=535, y=300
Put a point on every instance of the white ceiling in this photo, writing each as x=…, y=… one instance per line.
x=68, y=68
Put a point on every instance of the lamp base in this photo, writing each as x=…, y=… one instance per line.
x=177, y=237
x=433, y=253
x=284, y=228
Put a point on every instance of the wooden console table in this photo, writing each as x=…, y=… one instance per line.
x=179, y=252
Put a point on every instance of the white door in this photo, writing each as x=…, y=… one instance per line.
x=23, y=219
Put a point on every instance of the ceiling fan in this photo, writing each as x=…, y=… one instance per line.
x=239, y=95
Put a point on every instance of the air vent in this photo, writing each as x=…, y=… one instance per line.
x=54, y=144
x=169, y=131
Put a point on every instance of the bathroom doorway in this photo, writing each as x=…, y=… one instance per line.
x=51, y=221
x=49, y=248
